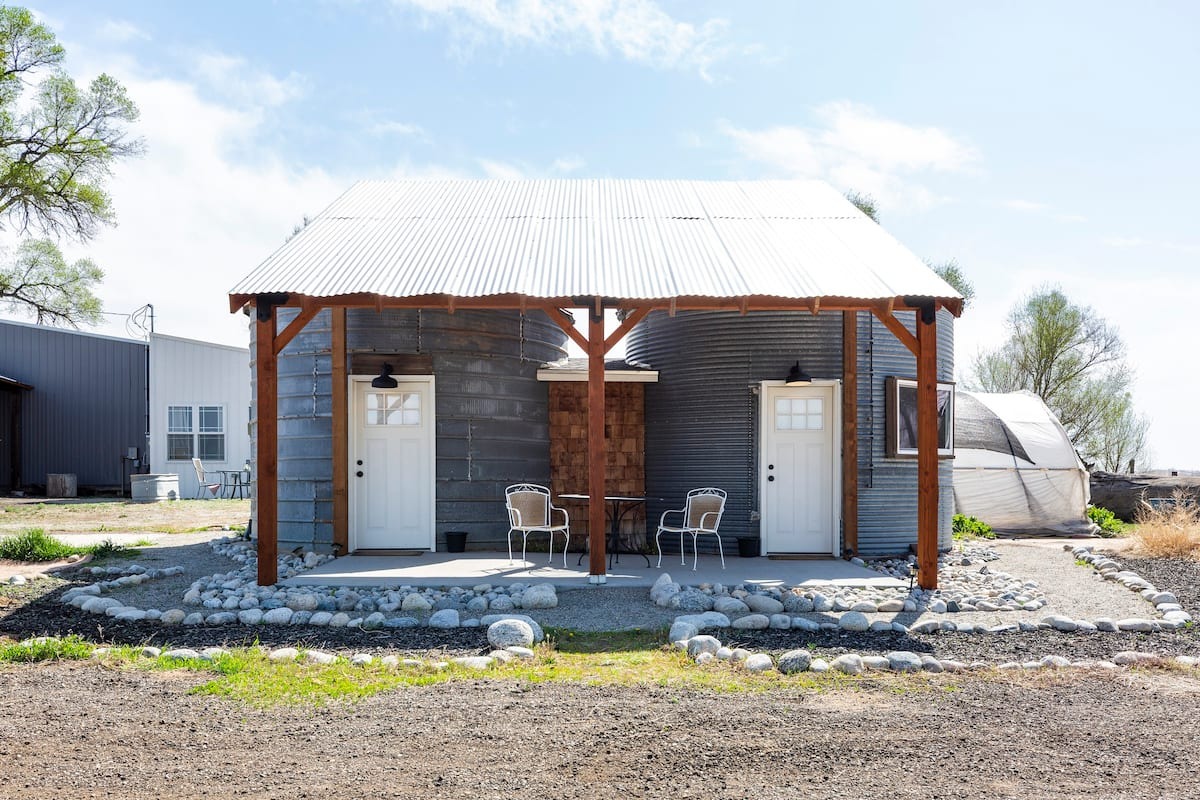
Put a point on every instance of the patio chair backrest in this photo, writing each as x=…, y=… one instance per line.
x=705, y=501
x=531, y=501
x=196, y=465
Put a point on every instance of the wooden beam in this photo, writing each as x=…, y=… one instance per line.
x=897, y=328
x=850, y=432
x=740, y=304
x=295, y=326
x=636, y=316
x=564, y=321
x=927, y=450
x=266, y=412
x=596, y=449
x=341, y=468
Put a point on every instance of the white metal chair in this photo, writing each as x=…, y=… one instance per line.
x=204, y=480
x=701, y=514
x=530, y=511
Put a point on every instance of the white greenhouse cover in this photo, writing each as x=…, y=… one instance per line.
x=1015, y=468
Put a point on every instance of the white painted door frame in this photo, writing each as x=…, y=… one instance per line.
x=766, y=427
x=353, y=382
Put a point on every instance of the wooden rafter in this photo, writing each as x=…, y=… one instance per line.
x=626, y=326
x=564, y=321
x=897, y=328
x=295, y=326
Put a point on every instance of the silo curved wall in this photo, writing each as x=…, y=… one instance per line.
x=702, y=424
x=491, y=426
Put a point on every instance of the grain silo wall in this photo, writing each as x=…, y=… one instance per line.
x=702, y=425
x=491, y=413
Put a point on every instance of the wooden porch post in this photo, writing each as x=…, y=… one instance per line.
x=596, y=446
x=266, y=414
x=341, y=469
x=927, y=448
x=850, y=432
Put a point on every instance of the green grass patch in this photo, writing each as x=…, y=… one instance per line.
x=34, y=545
x=70, y=648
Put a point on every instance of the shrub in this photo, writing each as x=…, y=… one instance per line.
x=1109, y=524
x=1169, y=529
x=971, y=528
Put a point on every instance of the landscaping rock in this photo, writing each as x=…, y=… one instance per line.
x=752, y=622
x=849, y=663
x=854, y=621
x=702, y=644
x=540, y=595
x=509, y=633
x=759, y=662
x=445, y=619
x=795, y=661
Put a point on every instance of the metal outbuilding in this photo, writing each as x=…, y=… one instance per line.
x=543, y=247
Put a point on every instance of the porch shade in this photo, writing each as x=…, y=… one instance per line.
x=632, y=245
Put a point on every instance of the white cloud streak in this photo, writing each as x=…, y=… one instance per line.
x=638, y=31
x=853, y=147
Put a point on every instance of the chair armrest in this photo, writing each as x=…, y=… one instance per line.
x=663, y=519
x=716, y=515
x=514, y=518
x=563, y=511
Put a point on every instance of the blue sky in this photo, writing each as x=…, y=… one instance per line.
x=1033, y=142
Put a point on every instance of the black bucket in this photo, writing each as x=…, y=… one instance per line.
x=456, y=541
x=748, y=547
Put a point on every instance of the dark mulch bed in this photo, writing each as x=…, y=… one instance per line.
x=1180, y=576
x=48, y=617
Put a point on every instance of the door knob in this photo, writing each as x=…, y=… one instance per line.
x=359, y=473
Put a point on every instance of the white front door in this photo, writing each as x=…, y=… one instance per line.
x=798, y=469
x=391, y=466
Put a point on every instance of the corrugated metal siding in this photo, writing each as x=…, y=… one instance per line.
x=491, y=413
x=186, y=372
x=701, y=416
x=702, y=420
x=88, y=404
x=887, y=496
x=617, y=238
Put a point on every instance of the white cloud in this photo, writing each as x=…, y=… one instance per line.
x=501, y=169
x=1123, y=241
x=120, y=32
x=1043, y=209
x=1026, y=205
x=635, y=30
x=853, y=147
x=567, y=164
x=1128, y=242
x=397, y=128
x=240, y=83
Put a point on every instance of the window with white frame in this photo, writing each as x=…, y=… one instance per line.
x=195, y=432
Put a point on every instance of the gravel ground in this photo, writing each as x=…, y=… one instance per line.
x=1071, y=589
x=100, y=733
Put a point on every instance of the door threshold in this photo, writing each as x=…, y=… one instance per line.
x=389, y=551
x=798, y=556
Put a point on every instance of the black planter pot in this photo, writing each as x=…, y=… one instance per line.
x=748, y=546
x=456, y=541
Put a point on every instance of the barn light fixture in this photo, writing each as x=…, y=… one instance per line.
x=797, y=376
x=384, y=380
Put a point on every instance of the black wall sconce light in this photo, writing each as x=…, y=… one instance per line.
x=384, y=380
x=797, y=376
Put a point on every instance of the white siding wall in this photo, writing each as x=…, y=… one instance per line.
x=191, y=373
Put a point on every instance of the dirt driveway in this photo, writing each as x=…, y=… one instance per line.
x=94, y=732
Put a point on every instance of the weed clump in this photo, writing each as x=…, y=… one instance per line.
x=971, y=528
x=1169, y=529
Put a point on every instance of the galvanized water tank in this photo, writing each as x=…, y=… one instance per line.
x=702, y=416
x=492, y=428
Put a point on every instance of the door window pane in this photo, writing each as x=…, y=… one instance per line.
x=393, y=408
x=799, y=413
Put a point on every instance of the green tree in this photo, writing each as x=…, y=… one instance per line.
x=57, y=149
x=864, y=203
x=952, y=274
x=1075, y=361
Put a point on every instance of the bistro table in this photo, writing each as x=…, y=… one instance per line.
x=235, y=480
x=619, y=507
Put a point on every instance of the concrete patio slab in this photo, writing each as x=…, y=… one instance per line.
x=469, y=569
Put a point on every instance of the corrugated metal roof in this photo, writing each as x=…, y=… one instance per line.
x=627, y=239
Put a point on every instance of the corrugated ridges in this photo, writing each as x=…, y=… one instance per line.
x=633, y=239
